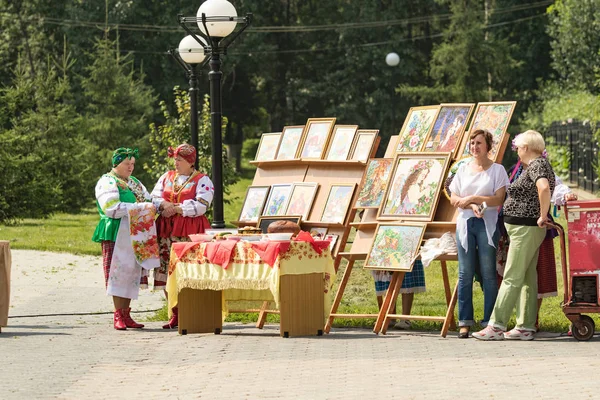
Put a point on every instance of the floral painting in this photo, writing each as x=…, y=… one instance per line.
x=341, y=142
x=338, y=201
x=448, y=127
x=316, y=137
x=278, y=199
x=290, y=138
x=415, y=130
x=254, y=202
x=414, y=186
x=374, y=183
x=395, y=246
x=493, y=117
x=363, y=145
x=301, y=199
x=267, y=148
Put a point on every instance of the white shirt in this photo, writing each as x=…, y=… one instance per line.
x=466, y=182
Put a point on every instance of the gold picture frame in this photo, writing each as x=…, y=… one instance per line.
x=268, y=146
x=395, y=246
x=301, y=199
x=362, y=148
x=315, y=138
x=341, y=142
x=416, y=128
x=291, y=137
x=339, y=199
x=254, y=202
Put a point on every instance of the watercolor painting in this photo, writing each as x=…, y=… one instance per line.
x=449, y=127
x=290, y=138
x=416, y=128
x=395, y=247
x=363, y=145
x=278, y=199
x=267, y=148
x=254, y=202
x=374, y=183
x=338, y=201
x=316, y=137
x=493, y=117
x=301, y=199
x=414, y=186
x=341, y=142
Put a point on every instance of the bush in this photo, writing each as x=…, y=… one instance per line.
x=249, y=148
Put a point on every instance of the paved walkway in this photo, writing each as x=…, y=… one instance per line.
x=83, y=357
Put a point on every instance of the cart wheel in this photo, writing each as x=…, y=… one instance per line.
x=583, y=329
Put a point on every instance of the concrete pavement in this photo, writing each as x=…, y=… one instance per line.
x=82, y=356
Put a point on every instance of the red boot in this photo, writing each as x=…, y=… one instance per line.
x=119, y=320
x=129, y=322
x=173, y=322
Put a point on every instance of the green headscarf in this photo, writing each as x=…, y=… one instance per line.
x=122, y=153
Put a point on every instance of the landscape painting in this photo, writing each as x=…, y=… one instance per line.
x=395, y=247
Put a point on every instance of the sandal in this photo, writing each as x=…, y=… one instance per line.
x=463, y=333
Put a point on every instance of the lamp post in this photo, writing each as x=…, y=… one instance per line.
x=393, y=59
x=216, y=21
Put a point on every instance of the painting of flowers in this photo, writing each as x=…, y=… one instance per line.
x=341, y=142
x=316, y=137
x=363, y=145
x=493, y=117
x=395, y=247
x=449, y=127
x=278, y=199
x=267, y=148
x=414, y=186
x=374, y=183
x=338, y=201
x=254, y=202
x=290, y=138
x=416, y=128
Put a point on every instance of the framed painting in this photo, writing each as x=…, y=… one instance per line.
x=315, y=137
x=493, y=117
x=332, y=239
x=290, y=137
x=414, y=186
x=448, y=128
x=416, y=128
x=278, y=199
x=264, y=222
x=338, y=201
x=256, y=197
x=363, y=144
x=267, y=148
x=395, y=246
x=301, y=199
x=341, y=142
x=374, y=183
x=318, y=232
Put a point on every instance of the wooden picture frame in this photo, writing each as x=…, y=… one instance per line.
x=264, y=222
x=414, y=186
x=254, y=202
x=315, y=138
x=321, y=231
x=395, y=246
x=291, y=137
x=416, y=128
x=341, y=142
x=301, y=199
x=362, y=148
x=332, y=241
x=449, y=127
x=278, y=199
x=268, y=146
x=338, y=201
x=494, y=117
x=374, y=182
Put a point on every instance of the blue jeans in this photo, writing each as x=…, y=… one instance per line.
x=482, y=255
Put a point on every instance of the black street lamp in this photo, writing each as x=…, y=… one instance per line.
x=216, y=21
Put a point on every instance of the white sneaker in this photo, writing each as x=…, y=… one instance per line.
x=489, y=333
x=519, y=334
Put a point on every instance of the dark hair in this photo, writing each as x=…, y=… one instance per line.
x=487, y=136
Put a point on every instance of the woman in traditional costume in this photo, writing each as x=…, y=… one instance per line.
x=120, y=196
x=184, y=195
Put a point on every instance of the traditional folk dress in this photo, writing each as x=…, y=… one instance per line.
x=195, y=194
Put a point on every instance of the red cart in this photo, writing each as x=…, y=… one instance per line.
x=582, y=275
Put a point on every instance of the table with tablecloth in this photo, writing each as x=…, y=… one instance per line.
x=243, y=270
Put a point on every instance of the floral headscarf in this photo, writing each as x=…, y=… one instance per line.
x=185, y=151
x=122, y=153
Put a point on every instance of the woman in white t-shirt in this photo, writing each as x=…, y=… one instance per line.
x=475, y=183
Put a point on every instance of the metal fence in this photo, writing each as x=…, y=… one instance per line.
x=578, y=137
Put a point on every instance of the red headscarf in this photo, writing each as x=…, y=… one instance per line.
x=185, y=151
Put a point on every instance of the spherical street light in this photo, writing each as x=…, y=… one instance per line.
x=191, y=51
x=392, y=59
x=217, y=8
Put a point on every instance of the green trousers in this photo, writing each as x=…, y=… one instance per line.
x=519, y=286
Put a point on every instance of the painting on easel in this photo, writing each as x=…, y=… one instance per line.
x=374, y=183
x=278, y=199
x=414, y=186
x=449, y=127
x=416, y=128
x=290, y=137
x=395, y=247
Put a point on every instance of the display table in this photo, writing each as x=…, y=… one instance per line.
x=299, y=281
x=5, y=262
